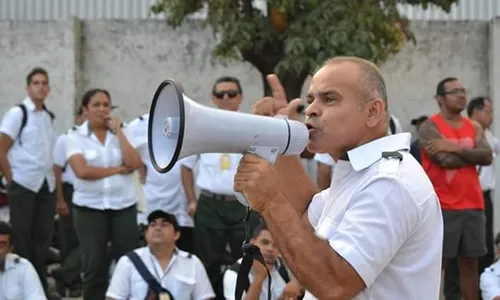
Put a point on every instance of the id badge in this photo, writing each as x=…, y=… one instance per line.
x=225, y=162
x=164, y=296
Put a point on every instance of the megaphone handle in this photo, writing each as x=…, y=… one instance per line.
x=268, y=153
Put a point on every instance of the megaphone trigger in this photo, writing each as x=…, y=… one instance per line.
x=265, y=152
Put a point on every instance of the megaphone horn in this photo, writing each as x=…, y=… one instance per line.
x=180, y=127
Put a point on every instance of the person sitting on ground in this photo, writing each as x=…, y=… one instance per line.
x=18, y=278
x=283, y=285
x=160, y=268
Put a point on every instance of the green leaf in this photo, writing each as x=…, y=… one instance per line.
x=297, y=36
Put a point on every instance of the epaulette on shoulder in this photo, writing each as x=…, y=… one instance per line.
x=186, y=254
x=391, y=161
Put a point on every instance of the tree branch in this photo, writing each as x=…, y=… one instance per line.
x=247, y=8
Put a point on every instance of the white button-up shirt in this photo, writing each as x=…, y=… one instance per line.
x=486, y=175
x=112, y=192
x=215, y=171
x=489, y=282
x=162, y=191
x=324, y=158
x=19, y=280
x=185, y=277
x=383, y=217
x=277, y=283
x=30, y=160
x=60, y=159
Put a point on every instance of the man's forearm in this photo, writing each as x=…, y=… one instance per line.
x=312, y=260
x=295, y=182
x=254, y=290
x=187, y=179
x=58, y=176
x=476, y=156
x=449, y=160
x=5, y=167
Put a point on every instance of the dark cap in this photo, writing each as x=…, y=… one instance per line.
x=419, y=120
x=160, y=214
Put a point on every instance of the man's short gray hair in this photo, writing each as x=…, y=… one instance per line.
x=372, y=82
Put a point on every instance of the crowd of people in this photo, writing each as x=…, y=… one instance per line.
x=409, y=206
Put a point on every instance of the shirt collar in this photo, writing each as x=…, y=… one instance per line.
x=10, y=261
x=366, y=155
x=28, y=103
x=86, y=130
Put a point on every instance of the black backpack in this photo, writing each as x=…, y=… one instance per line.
x=25, y=118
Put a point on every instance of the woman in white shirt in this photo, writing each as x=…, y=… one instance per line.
x=104, y=200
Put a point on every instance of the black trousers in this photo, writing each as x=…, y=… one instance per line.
x=218, y=223
x=32, y=218
x=70, y=248
x=95, y=228
x=452, y=272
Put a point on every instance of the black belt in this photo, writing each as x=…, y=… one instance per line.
x=218, y=197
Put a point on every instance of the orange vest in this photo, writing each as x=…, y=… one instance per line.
x=457, y=189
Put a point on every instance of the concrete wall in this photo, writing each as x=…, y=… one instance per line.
x=51, y=45
x=130, y=59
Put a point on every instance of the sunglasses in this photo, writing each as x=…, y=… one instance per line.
x=456, y=92
x=230, y=94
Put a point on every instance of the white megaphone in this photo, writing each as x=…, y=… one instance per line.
x=179, y=127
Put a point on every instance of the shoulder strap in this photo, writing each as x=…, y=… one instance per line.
x=283, y=271
x=23, y=120
x=245, y=284
x=146, y=275
x=250, y=253
x=51, y=114
x=392, y=126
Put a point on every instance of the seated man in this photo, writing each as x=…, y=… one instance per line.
x=489, y=282
x=282, y=285
x=18, y=278
x=174, y=272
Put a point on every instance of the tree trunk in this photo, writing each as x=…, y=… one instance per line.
x=291, y=83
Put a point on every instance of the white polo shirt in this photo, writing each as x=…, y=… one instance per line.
x=113, y=192
x=60, y=160
x=277, y=283
x=185, y=277
x=215, y=171
x=487, y=175
x=162, y=191
x=19, y=280
x=489, y=282
x=325, y=159
x=30, y=160
x=383, y=217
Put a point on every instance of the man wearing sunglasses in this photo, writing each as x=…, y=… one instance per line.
x=452, y=146
x=219, y=216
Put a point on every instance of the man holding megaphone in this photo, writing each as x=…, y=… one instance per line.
x=376, y=232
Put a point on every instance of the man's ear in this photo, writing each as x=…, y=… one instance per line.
x=177, y=235
x=375, y=112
